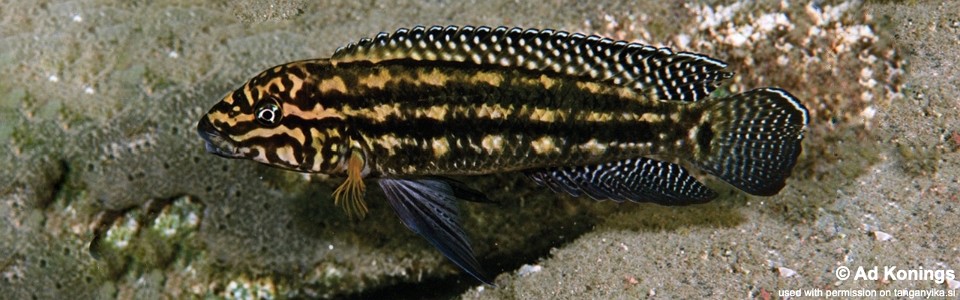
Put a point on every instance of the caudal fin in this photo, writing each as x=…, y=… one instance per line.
x=752, y=140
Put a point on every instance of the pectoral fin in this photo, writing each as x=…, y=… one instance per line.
x=427, y=206
x=638, y=180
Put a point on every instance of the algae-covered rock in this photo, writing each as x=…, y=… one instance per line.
x=107, y=188
x=106, y=191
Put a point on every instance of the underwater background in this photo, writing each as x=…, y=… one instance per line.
x=106, y=190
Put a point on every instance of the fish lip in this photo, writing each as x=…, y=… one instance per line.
x=214, y=142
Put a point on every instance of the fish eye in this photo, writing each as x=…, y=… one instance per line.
x=268, y=112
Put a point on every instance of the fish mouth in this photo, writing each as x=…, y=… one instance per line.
x=215, y=142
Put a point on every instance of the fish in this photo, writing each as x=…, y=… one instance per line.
x=579, y=114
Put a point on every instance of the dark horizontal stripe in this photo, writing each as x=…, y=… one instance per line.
x=575, y=132
x=514, y=89
x=668, y=75
x=567, y=140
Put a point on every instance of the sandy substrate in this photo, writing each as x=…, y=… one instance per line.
x=107, y=191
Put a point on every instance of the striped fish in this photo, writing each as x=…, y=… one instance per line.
x=582, y=115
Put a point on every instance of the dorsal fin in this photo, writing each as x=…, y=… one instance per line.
x=654, y=71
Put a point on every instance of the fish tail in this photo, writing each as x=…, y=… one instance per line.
x=751, y=140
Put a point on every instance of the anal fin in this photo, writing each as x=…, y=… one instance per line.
x=428, y=207
x=638, y=180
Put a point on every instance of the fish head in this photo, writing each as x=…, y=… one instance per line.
x=276, y=119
